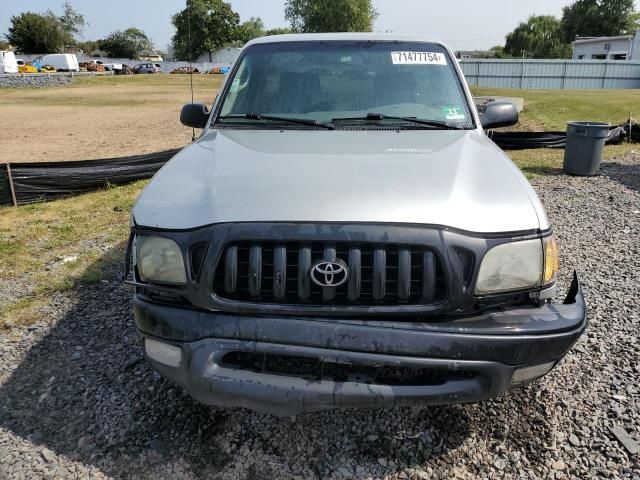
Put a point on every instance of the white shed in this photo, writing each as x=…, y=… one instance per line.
x=623, y=47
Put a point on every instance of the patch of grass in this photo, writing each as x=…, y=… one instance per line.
x=53, y=247
x=550, y=110
x=8, y=247
x=115, y=91
x=542, y=161
x=160, y=81
x=22, y=311
x=548, y=161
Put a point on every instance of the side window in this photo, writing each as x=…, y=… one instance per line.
x=236, y=97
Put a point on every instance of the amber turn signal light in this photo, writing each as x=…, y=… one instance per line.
x=551, y=261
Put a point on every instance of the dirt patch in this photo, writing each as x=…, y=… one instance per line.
x=99, y=118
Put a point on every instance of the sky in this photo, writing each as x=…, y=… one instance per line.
x=463, y=24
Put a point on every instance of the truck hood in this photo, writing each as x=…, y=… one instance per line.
x=458, y=179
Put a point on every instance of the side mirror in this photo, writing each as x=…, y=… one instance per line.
x=194, y=115
x=499, y=114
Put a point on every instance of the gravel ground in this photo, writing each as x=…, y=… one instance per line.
x=76, y=401
x=39, y=81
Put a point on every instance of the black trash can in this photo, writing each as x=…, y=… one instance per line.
x=585, y=143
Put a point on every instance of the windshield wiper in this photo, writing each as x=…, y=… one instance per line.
x=274, y=118
x=380, y=116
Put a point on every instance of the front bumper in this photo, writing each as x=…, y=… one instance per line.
x=475, y=357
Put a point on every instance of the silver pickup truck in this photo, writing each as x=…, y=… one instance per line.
x=344, y=234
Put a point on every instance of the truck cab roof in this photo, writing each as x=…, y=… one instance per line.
x=327, y=37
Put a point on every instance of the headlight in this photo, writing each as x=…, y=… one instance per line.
x=159, y=260
x=511, y=266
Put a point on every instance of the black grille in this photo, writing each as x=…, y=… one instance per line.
x=278, y=273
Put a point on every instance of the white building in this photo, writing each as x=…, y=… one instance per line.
x=623, y=47
x=471, y=54
x=225, y=56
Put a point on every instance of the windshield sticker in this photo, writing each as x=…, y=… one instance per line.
x=453, y=113
x=235, y=86
x=418, y=58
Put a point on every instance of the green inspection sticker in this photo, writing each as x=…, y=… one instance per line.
x=453, y=113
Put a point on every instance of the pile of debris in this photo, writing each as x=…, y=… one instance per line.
x=91, y=67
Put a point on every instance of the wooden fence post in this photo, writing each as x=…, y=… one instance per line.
x=11, y=187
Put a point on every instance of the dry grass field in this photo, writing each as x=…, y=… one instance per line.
x=99, y=117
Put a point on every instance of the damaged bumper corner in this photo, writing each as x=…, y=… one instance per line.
x=287, y=366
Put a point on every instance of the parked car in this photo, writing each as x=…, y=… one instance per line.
x=356, y=240
x=146, y=68
x=47, y=69
x=8, y=63
x=183, y=70
x=62, y=62
x=24, y=67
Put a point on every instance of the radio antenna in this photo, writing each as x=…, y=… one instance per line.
x=193, y=130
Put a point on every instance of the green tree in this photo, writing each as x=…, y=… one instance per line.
x=214, y=24
x=4, y=45
x=538, y=37
x=597, y=18
x=252, y=28
x=278, y=31
x=330, y=15
x=72, y=22
x=89, y=46
x=32, y=32
x=634, y=22
x=500, y=53
x=130, y=43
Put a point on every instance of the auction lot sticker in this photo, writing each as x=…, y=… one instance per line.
x=453, y=113
x=418, y=58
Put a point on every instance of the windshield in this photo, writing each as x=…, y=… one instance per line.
x=347, y=82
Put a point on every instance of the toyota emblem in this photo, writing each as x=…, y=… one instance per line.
x=329, y=274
